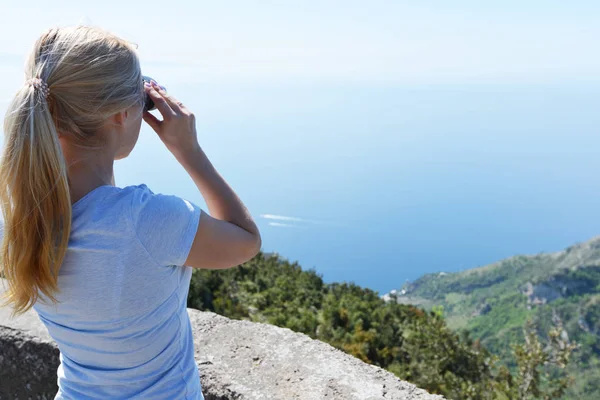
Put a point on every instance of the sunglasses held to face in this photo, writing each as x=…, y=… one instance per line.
x=148, y=103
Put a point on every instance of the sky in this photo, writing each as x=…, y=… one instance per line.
x=374, y=141
x=350, y=41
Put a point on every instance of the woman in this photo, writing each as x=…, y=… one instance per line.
x=107, y=268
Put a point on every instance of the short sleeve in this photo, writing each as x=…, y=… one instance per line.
x=165, y=225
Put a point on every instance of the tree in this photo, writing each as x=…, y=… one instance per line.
x=540, y=369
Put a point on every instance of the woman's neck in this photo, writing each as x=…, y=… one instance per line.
x=87, y=170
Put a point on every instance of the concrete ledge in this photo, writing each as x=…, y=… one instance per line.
x=27, y=366
x=237, y=360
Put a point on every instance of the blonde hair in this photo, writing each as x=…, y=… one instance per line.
x=91, y=74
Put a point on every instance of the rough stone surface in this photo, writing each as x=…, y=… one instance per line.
x=237, y=360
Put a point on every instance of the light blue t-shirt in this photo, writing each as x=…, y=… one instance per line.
x=121, y=322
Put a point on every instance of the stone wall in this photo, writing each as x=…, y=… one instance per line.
x=237, y=360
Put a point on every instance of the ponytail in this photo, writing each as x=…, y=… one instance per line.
x=35, y=201
x=92, y=74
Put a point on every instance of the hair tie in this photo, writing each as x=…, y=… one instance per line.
x=39, y=84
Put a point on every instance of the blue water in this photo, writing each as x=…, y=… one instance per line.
x=396, y=181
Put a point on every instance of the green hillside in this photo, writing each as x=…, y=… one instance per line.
x=414, y=344
x=493, y=303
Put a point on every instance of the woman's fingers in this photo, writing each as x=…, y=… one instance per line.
x=173, y=103
x=177, y=129
x=161, y=104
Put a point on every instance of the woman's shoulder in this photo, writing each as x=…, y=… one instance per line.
x=142, y=187
x=132, y=192
x=135, y=189
x=110, y=198
x=143, y=200
x=109, y=191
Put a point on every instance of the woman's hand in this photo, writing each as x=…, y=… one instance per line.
x=177, y=130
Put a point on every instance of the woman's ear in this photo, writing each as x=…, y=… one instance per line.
x=120, y=118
